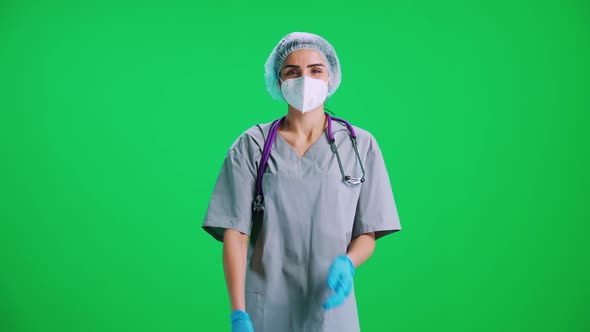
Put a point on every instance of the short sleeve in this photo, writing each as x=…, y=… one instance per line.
x=376, y=209
x=230, y=204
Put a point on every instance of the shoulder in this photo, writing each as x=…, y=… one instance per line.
x=363, y=134
x=251, y=141
x=367, y=143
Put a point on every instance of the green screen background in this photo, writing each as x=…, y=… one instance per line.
x=115, y=118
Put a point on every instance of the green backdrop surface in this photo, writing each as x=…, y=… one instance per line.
x=115, y=118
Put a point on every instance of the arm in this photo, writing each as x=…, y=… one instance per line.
x=235, y=250
x=341, y=272
x=361, y=248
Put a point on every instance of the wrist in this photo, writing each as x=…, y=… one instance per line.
x=350, y=263
x=238, y=315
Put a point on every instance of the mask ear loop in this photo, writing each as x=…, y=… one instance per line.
x=325, y=101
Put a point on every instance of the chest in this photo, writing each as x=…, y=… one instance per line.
x=300, y=145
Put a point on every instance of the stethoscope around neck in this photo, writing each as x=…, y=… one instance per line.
x=258, y=203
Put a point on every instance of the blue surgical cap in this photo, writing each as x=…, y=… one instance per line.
x=295, y=41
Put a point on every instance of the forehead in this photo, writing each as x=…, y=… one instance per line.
x=304, y=56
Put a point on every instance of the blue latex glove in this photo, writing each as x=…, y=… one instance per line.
x=340, y=281
x=240, y=322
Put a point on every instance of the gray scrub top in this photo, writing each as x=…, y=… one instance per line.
x=311, y=215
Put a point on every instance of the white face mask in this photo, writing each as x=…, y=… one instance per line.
x=304, y=93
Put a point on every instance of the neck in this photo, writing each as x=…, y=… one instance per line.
x=305, y=124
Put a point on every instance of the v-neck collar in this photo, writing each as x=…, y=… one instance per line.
x=289, y=147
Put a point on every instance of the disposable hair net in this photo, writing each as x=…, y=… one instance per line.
x=295, y=41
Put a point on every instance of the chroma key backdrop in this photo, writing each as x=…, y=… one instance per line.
x=115, y=118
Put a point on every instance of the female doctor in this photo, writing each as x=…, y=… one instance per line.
x=327, y=198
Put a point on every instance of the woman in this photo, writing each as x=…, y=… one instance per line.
x=320, y=219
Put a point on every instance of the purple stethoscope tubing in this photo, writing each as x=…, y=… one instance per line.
x=272, y=134
x=258, y=202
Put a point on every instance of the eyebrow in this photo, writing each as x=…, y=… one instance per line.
x=309, y=66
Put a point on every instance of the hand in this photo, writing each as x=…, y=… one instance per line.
x=340, y=281
x=240, y=322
